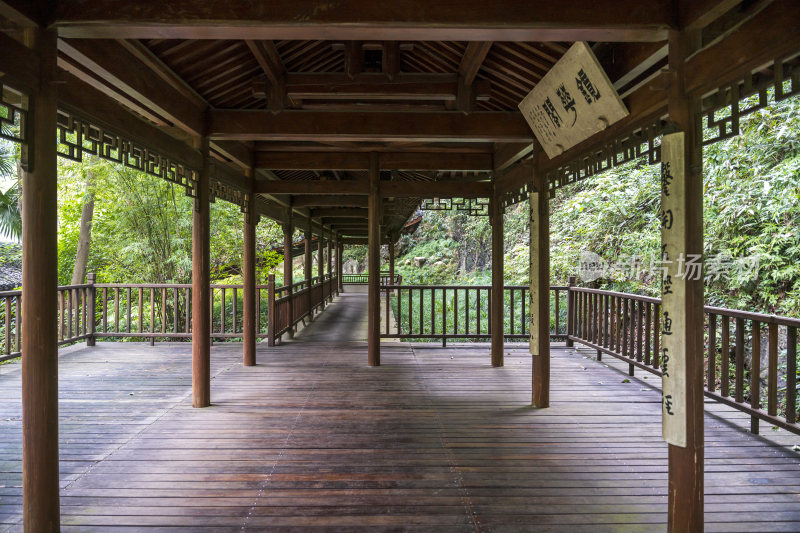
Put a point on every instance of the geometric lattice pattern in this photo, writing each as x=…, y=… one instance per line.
x=723, y=110
x=12, y=118
x=477, y=207
x=77, y=137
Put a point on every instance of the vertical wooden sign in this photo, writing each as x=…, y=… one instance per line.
x=534, y=262
x=672, y=216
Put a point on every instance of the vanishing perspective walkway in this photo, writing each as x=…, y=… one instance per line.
x=433, y=440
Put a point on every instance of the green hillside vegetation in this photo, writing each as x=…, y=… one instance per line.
x=752, y=209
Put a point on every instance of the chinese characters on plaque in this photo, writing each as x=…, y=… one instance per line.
x=572, y=102
x=672, y=217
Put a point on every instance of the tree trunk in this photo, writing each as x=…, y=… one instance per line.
x=85, y=235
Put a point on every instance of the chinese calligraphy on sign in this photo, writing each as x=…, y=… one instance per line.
x=572, y=102
x=674, y=275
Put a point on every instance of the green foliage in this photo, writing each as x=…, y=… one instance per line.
x=142, y=228
x=751, y=208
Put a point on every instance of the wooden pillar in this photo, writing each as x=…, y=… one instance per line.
x=40, y=499
x=339, y=266
x=684, y=235
x=288, y=281
x=201, y=291
x=329, y=257
x=335, y=251
x=540, y=288
x=496, y=311
x=308, y=267
x=391, y=260
x=320, y=257
x=373, y=263
x=249, y=319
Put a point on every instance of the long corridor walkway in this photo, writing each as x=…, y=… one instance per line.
x=433, y=440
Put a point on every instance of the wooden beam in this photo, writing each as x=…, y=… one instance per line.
x=507, y=154
x=401, y=20
x=770, y=33
x=369, y=126
x=19, y=65
x=697, y=14
x=346, y=221
x=377, y=86
x=373, y=264
x=338, y=200
x=154, y=63
x=23, y=13
x=268, y=58
x=40, y=485
x=471, y=62
x=353, y=240
x=339, y=212
x=324, y=161
x=316, y=187
x=438, y=189
x=397, y=189
x=131, y=80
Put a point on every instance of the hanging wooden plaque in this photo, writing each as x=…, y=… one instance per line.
x=572, y=102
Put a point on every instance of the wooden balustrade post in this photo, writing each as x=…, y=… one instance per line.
x=682, y=233
x=373, y=263
x=249, y=319
x=272, y=319
x=201, y=288
x=288, y=232
x=91, y=311
x=496, y=310
x=40, y=496
x=540, y=287
x=570, y=311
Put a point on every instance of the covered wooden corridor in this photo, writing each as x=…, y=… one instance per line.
x=433, y=440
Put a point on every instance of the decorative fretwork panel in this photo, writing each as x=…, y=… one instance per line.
x=477, y=207
x=229, y=194
x=12, y=117
x=723, y=110
x=77, y=137
x=514, y=197
x=642, y=144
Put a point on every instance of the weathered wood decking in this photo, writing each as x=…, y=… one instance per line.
x=433, y=440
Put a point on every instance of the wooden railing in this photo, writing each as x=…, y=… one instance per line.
x=627, y=327
x=291, y=305
x=461, y=312
x=362, y=279
x=131, y=311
